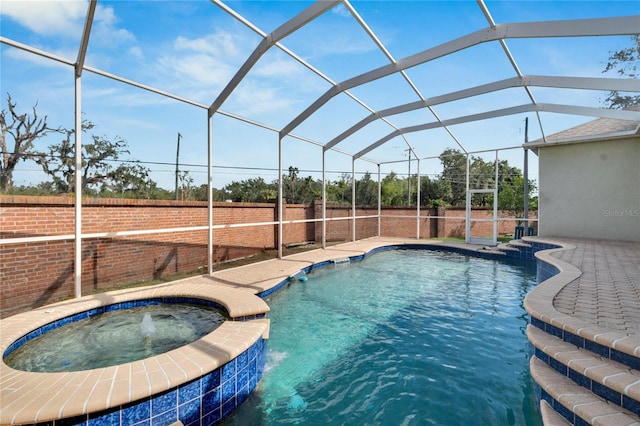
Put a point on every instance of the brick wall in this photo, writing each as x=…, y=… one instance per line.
x=36, y=274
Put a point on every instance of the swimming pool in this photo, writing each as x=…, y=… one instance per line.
x=403, y=337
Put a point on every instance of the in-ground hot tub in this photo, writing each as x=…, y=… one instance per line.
x=203, y=380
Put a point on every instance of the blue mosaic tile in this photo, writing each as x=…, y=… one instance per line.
x=606, y=393
x=109, y=418
x=253, y=368
x=558, y=366
x=242, y=360
x=537, y=323
x=212, y=417
x=212, y=401
x=580, y=422
x=228, y=371
x=631, y=404
x=563, y=411
x=243, y=378
x=146, y=422
x=626, y=359
x=228, y=390
x=574, y=340
x=243, y=394
x=163, y=402
x=165, y=418
x=136, y=412
x=189, y=412
x=581, y=380
x=546, y=397
x=596, y=348
x=210, y=381
x=189, y=391
x=228, y=407
x=554, y=331
x=542, y=356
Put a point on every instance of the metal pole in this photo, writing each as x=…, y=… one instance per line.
x=324, y=199
x=526, y=177
x=495, y=202
x=177, y=163
x=468, y=198
x=77, y=276
x=353, y=199
x=280, y=203
x=78, y=67
x=409, y=179
x=379, y=201
x=210, y=193
x=418, y=201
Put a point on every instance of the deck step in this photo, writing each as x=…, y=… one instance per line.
x=506, y=247
x=611, y=380
x=575, y=403
x=518, y=243
x=550, y=417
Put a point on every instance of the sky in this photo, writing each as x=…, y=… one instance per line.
x=192, y=49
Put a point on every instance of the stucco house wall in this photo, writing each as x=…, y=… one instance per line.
x=590, y=189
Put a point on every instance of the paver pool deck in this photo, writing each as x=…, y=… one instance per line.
x=597, y=291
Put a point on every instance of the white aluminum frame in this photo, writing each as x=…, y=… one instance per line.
x=493, y=33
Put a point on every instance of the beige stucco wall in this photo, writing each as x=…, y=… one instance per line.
x=590, y=190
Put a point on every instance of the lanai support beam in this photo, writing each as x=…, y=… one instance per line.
x=627, y=25
x=78, y=67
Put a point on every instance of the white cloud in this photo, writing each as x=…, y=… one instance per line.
x=280, y=68
x=47, y=17
x=65, y=18
x=219, y=43
x=341, y=10
x=254, y=99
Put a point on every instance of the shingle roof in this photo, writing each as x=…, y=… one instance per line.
x=601, y=128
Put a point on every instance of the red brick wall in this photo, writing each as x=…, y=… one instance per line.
x=36, y=274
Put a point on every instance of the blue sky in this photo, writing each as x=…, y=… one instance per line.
x=192, y=49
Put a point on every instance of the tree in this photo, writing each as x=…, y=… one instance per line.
x=254, y=190
x=97, y=171
x=434, y=192
x=24, y=130
x=339, y=191
x=511, y=196
x=454, y=166
x=393, y=191
x=133, y=181
x=366, y=191
x=624, y=62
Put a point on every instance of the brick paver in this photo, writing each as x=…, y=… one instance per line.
x=608, y=291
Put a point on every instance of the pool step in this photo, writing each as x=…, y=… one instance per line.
x=507, y=247
x=611, y=382
x=518, y=243
x=550, y=417
x=575, y=403
x=614, y=381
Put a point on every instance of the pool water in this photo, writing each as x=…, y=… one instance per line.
x=116, y=337
x=405, y=337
